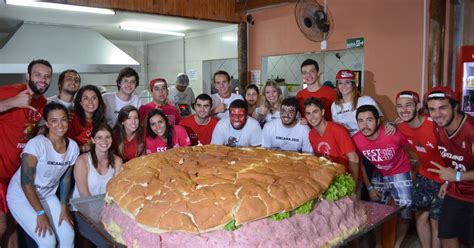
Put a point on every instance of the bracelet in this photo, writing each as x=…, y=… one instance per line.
x=458, y=176
x=370, y=188
x=40, y=212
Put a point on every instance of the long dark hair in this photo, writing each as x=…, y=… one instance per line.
x=99, y=114
x=110, y=154
x=120, y=135
x=50, y=107
x=168, y=131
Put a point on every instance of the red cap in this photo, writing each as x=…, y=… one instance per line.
x=345, y=74
x=156, y=80
x=408, y=94
x=440, y=92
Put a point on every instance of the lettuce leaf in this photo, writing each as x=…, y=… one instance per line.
x=306, y=208
x=343, y=185
x=280, y=216
x=231, y=226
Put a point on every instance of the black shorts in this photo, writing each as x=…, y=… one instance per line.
x=457, y=220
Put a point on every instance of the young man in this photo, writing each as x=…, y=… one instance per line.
x=287, y=133
x=182, y=95
x=159, y=93
x=455, y=135
x=224, y=97
x=330, y=139
x=127, y=82
x=420, y=132
x=68, y=83
x=200, y=125
x=392, y=178
x=238, y=129
x=311, y=77
x=21, y=109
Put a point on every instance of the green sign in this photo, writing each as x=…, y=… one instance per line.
x=355, y=42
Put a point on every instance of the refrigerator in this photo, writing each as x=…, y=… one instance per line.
x=464, y=85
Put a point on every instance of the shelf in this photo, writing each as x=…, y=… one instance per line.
x=469, y=87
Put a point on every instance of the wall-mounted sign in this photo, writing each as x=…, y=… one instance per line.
x=355, y=42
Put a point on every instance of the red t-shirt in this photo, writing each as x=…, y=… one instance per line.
x=180, y=139
x=325, y=94
x=16, y=125
x=423, y=141
x=169, y=110
x=456, y=150
x=130, y=149
x=79, y=133
x=386, y=152
x=334, y=144
x=199, y=134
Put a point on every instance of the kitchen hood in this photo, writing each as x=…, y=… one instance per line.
x=64, y=47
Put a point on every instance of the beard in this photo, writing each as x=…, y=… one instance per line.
x=32, y=85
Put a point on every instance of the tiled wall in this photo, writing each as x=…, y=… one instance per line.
x=330, y=62
x=211, y=66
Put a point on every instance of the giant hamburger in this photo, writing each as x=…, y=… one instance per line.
x=200, y=196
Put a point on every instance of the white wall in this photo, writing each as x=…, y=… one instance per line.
x=166, y=57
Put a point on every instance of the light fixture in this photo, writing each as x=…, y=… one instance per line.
x=67, y=7
x=153, y=28
x=230, y=38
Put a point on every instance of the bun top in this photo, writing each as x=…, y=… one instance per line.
x=201, y=188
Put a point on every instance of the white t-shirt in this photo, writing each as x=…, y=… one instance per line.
x=97, y=183
x=225, y=134
x=216, y=99
x=276, y=136
x=347, y=116
x=68, y=105
x=272, y=116
x=49, y=169
x=114, y=104
x=186, y=97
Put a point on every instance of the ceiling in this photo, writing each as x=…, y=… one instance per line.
x=106, y=25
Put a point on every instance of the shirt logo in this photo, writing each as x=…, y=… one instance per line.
x=324, y=148
x=429, y=144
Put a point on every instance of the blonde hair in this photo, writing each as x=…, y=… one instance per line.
x=355, y=96
x=274, y=84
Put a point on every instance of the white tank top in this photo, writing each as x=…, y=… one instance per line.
x=97, y=183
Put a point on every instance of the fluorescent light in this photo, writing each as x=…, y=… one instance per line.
x=229, y=38
x=67, y=7
x=159, y=26
x=150, y=30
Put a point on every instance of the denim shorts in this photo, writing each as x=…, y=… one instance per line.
x=398, y=187
x=425, y=196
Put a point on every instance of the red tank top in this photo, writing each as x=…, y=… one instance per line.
x=456, y=150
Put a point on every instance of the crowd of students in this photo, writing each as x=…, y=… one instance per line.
x=86, y=136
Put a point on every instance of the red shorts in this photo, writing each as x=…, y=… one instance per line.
x=3, y=194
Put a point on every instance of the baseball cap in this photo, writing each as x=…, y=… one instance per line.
x=157, y=80
x=345, y=74
x=408, y=94
x=182, y=79
x=440, y=92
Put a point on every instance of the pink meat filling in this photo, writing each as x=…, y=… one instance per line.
x=327, y=221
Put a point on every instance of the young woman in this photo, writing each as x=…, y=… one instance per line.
x=252, y=97
x=270, y=109
x=348, y=99
x=89, y=109
x=46, y=164
x=161, y=136
x=129, y=135
x=92, y=172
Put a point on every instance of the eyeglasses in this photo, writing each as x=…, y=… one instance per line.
x=131, y=82
x=75, y=79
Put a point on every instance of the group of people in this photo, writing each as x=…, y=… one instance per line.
x=86, y=137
